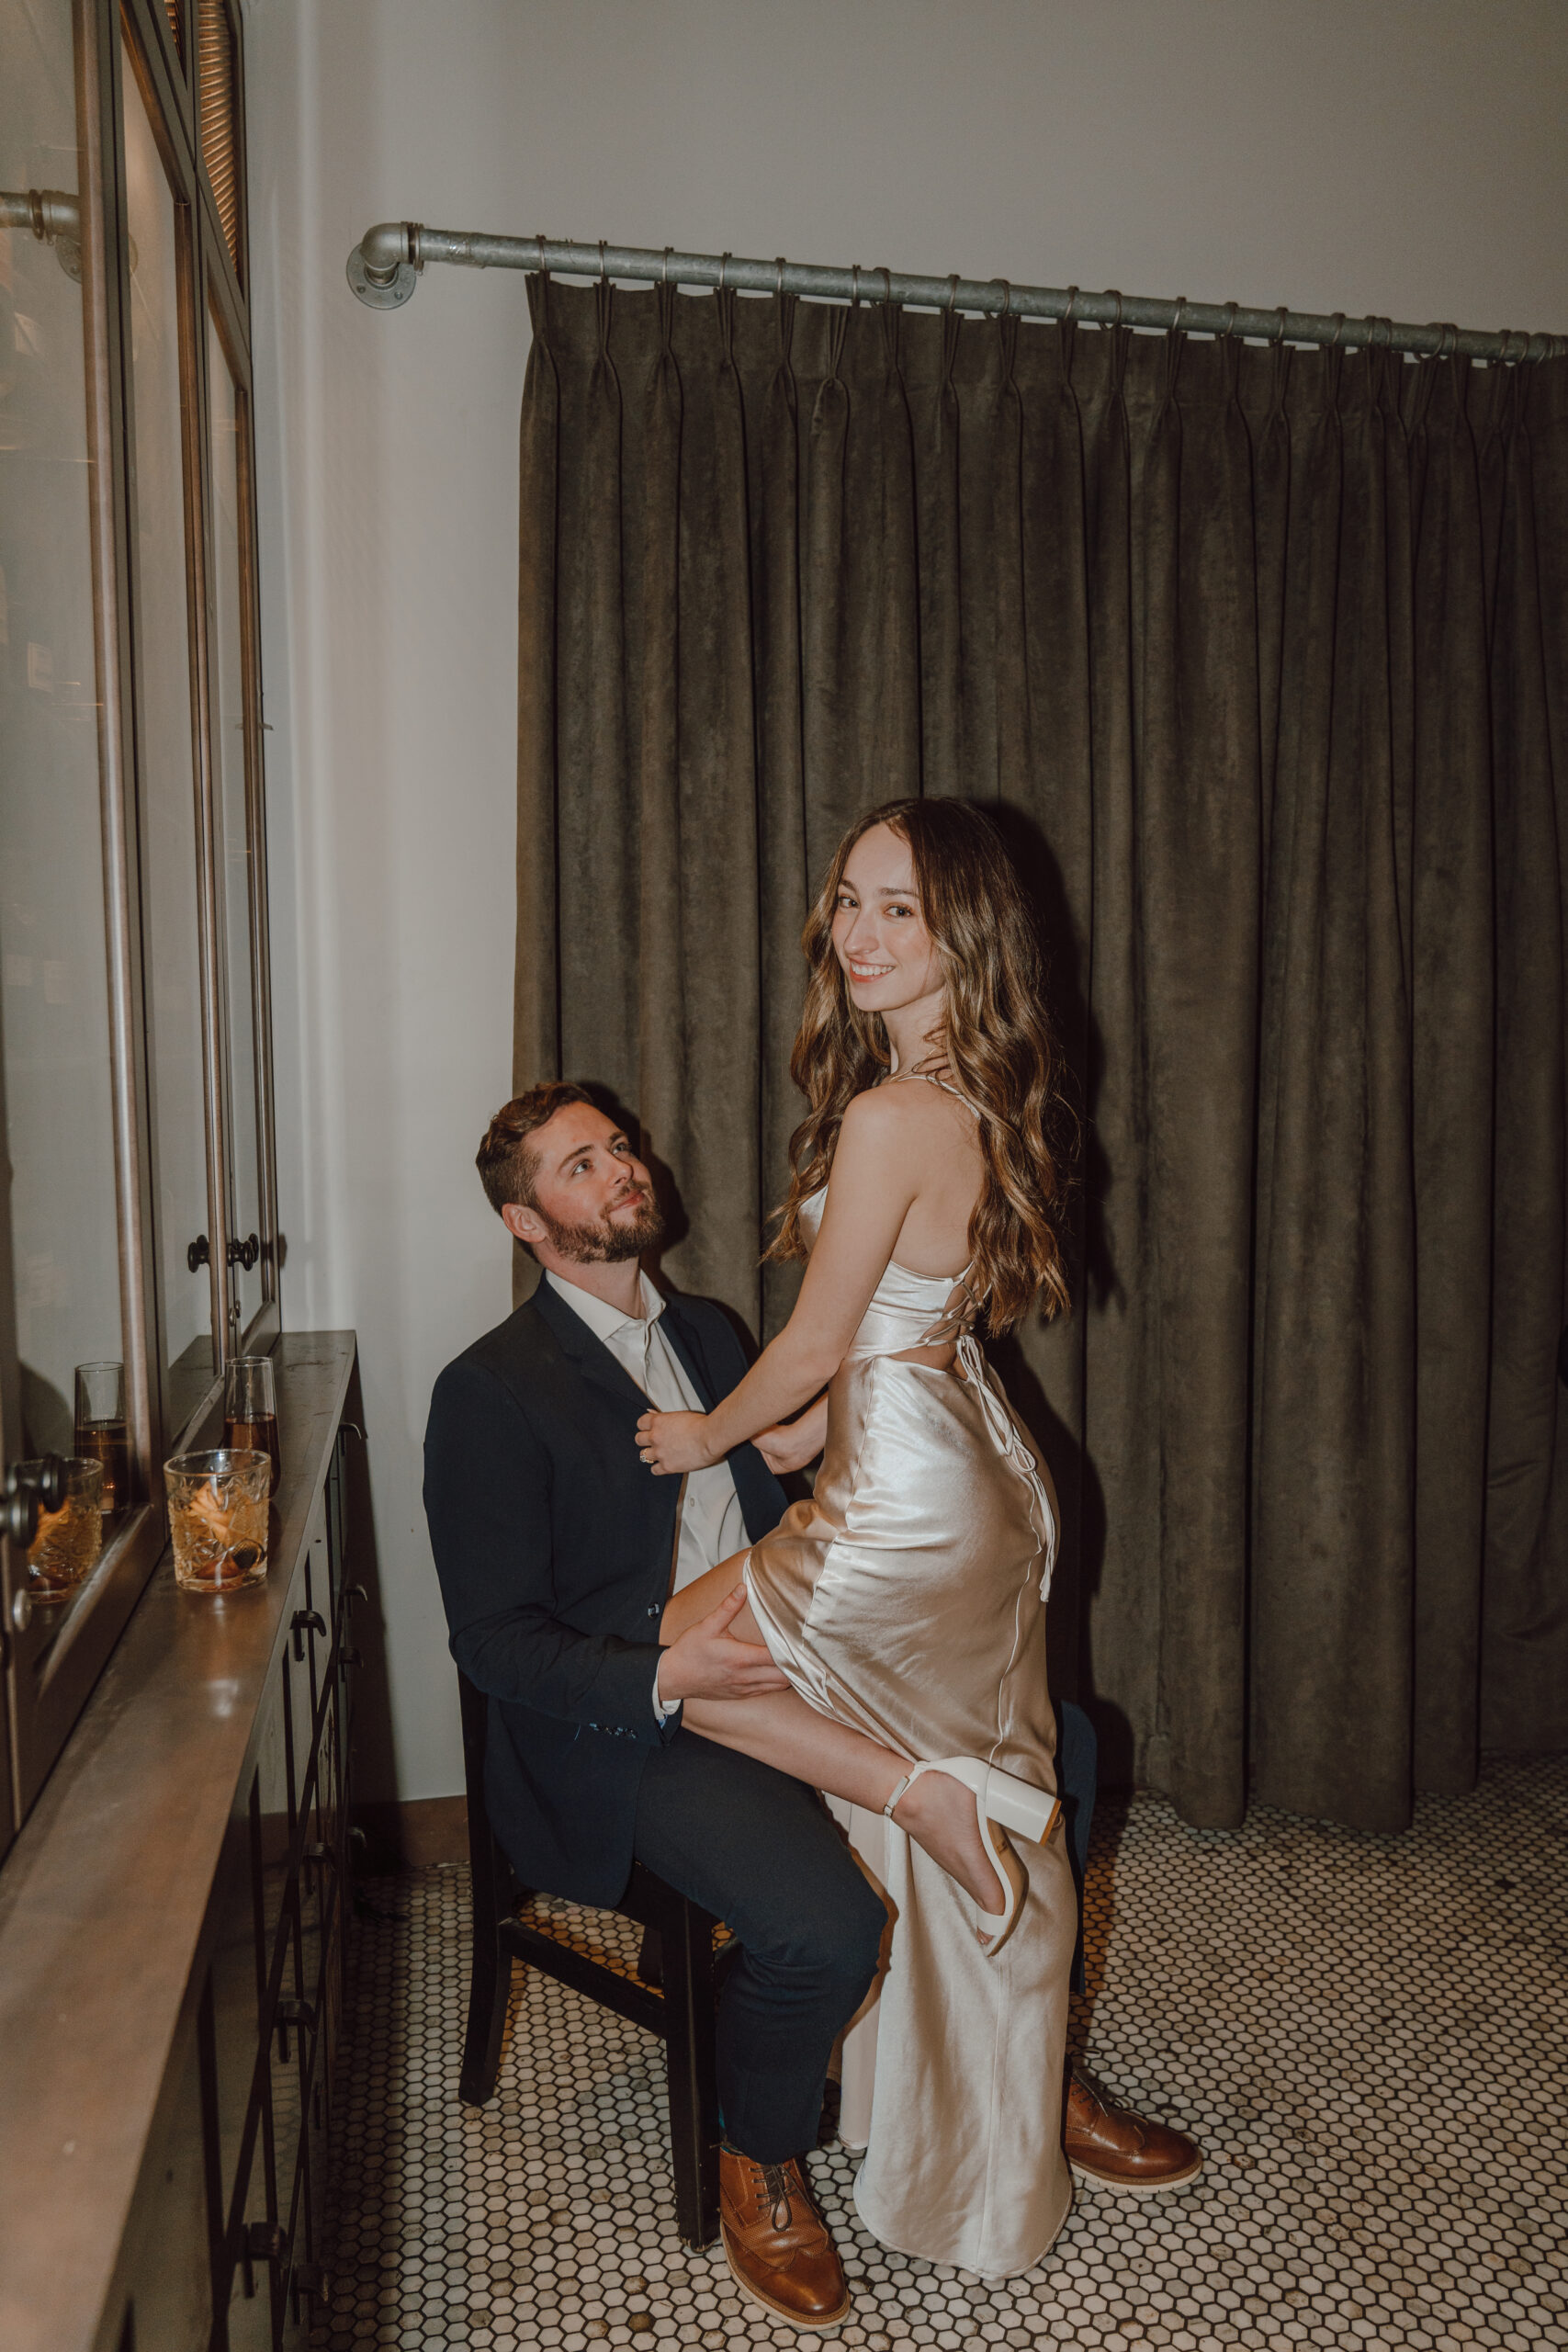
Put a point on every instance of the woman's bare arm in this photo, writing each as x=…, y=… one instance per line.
x=876, y=1180
x=790, y=1445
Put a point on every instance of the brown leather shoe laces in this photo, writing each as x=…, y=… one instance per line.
x=777, y=2190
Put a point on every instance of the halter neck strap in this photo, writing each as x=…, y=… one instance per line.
x=928, y=1077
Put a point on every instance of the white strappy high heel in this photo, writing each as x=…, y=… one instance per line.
x=1001, y=1801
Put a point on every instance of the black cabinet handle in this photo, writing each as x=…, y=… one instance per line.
x=245, y=1253
x=42, y=1489
x=18, y=1519
x=305, y=1620
x=199, y=1253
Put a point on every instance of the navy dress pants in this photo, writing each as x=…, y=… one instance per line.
x=763, y=1853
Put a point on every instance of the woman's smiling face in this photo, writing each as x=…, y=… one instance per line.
x=889, y=956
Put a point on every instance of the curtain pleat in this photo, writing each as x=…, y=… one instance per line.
x=1261, y=661
x=1452, y=1013
x=1525, y=1613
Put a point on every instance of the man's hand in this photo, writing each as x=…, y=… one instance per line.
x=790, y=1445
x=672, y=1443
x=708, y=1662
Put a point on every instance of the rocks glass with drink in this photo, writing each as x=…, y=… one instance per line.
x=68, y=1540
x=218, y=1513
x=250, y=1410
x=103, y=1433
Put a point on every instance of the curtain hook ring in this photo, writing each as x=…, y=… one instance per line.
x=539, y=240
x=664, y=275
x=1339, y=318
x=887, y=284
x=1282, y=316
x=1228, y=329
x=1069, y=313
x=1451, y=350
x=1007, y=297
x=723, y=261
x=602, y=271
x=1115, y=296
x=778, y=277
x=951, y=292
x=1179, y=314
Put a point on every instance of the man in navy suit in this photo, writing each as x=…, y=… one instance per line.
x=557, y=1550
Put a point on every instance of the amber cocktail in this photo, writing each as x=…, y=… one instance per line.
x=250, y=1408
x=218, y=1518
x=68, y=1540
x=103, y=1433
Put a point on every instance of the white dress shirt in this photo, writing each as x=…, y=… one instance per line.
x=708, y=1522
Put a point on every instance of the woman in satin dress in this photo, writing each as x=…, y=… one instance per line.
x=904, y=1603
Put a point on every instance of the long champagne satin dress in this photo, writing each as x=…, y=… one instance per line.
x=906, y=1599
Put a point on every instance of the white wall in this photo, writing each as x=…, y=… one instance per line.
x=1404, y=156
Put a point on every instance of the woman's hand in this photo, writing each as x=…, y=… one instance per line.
x=672, y=1444
x=790, y=1445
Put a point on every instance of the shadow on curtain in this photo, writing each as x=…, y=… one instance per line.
x=1261, y=658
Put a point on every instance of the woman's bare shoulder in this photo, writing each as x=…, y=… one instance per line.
x=895, y=1113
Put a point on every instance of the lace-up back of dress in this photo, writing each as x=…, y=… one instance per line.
x=907, y=1309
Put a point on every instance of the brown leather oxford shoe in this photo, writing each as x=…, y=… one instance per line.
x=1116, y=2149
x=776, y=2243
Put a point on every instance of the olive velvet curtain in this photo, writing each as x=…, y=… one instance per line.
x=1261, y=657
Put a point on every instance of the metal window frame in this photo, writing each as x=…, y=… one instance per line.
x=49, y=1668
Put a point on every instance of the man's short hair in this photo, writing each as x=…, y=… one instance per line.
x=505, y=1161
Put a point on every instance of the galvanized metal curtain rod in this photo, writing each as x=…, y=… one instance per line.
x=383, y=270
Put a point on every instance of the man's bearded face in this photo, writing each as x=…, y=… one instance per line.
x=608, y=1237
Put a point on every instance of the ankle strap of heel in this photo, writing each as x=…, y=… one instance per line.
x=887, y=1808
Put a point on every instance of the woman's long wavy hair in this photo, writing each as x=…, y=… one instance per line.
x=995, y=1045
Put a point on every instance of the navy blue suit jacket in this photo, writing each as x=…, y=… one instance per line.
x=553, y=1544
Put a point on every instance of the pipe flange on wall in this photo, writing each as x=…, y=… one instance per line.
x=375, y=288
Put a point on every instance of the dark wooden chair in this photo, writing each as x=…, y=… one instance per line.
x=673, y=1996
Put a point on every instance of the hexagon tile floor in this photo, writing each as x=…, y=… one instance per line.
x=1367, y=2034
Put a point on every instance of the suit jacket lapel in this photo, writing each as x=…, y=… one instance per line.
x=683, y=1338
x=587, y=1352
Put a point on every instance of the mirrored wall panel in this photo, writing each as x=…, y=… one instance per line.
x=166, y=776
x=136, y=1246
x=230, y=737
x=54, y=999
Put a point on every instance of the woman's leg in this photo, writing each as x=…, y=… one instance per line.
x=701, y=1598
x=782, y=1730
